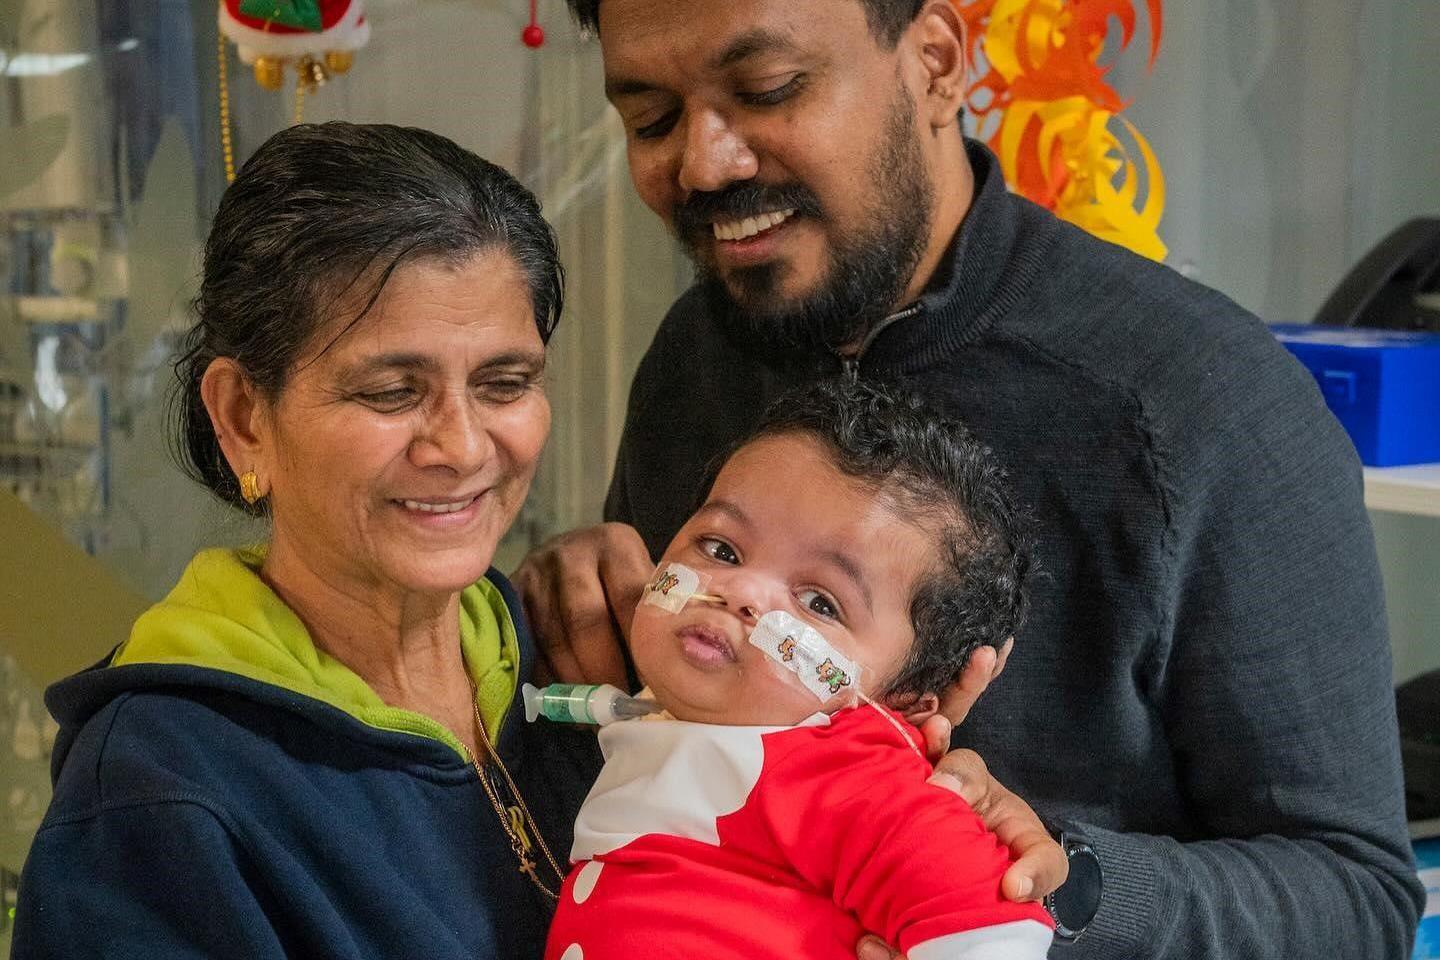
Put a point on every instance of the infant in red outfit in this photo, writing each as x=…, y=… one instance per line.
x=780, y=807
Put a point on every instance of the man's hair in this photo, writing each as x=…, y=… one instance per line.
x=887, y=18
x=931, y=472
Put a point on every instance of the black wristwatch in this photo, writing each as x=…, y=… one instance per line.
x=1074, y=905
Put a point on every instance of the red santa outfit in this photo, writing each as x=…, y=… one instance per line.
x=704, y=840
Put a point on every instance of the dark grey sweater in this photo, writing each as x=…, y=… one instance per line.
x=1203, y=687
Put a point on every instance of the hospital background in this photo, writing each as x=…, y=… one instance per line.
x=1294, y=136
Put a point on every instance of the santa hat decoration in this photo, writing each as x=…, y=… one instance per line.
x=317, y=37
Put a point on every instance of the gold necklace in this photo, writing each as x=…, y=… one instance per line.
x=514, y=819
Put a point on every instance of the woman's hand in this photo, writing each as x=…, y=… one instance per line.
x=580, y=591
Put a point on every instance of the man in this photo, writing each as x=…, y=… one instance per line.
x=1202, y=693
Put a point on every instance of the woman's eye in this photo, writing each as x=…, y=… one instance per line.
x=719, y=550
x=504, y=391
x=387, y=399
x=819, y=604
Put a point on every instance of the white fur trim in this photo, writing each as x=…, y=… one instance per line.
x=348, y=33
x=1017, y=940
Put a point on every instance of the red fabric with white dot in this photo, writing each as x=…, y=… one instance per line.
x=840, y=835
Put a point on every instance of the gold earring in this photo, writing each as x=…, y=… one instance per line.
x=250, y=486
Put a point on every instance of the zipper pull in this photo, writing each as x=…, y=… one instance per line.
x=517, y=826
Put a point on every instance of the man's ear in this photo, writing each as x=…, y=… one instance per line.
x=940, y=34
x=916, y=708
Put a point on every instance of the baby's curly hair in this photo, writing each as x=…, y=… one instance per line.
x=932, y=472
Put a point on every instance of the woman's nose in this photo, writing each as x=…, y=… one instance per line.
x=453, y=435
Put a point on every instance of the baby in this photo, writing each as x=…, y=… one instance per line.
x=848, y=558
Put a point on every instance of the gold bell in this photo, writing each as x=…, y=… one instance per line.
x=339, y=61
x=311, y=74
x=269, y=73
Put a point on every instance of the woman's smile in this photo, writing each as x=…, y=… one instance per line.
x=448, y=513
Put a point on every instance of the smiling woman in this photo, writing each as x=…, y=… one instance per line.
x=401, y=449
x=309, y=730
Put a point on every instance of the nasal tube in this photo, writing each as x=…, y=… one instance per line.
x=583, y=703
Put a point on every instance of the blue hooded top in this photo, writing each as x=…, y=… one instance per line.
x=223, y=788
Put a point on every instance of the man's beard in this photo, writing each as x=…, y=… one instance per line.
x=865, y=274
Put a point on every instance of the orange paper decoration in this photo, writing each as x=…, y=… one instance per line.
x=1040, y=93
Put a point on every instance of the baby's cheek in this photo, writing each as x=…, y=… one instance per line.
x=646, y=631
x=773, y=696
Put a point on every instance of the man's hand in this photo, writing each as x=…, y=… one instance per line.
x=1040, y=865
x=955, y=703
x=580, y=590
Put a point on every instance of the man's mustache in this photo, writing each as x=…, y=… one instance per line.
x=746, y=198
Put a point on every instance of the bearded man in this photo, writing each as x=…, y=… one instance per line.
x=1201, y=699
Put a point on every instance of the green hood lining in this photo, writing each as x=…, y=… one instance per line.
x=221, y=615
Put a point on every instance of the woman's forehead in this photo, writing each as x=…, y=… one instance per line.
x=434, y=309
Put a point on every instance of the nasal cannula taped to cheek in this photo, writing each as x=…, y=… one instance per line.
x=791, y=646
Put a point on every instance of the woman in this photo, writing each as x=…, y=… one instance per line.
x=282, y=758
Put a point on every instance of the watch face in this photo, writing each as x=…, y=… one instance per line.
x=1075, y=903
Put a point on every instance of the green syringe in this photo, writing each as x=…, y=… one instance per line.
x=583, y=703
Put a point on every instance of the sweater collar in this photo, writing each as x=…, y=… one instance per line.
x=988, y=267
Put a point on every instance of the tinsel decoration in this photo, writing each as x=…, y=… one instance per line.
x=1040, y=96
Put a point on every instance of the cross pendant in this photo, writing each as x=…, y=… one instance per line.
x=527, y=867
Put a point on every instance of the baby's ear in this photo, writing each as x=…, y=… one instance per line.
x=916, y=708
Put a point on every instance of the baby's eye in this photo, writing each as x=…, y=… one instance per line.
x=819, y=604
x=719, y=550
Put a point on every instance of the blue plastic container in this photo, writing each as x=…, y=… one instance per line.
x=1427, y=938
x=1382, y=385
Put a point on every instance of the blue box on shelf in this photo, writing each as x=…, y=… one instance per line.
x=1382, y=385
x=1427, y=938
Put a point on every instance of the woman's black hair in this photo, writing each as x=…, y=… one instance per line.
x=319, y=212
x=933, y=473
